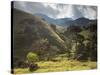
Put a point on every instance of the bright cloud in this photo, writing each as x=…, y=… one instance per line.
x=58, y=10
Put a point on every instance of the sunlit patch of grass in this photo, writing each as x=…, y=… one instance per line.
x=61, y=65
x=21, y=70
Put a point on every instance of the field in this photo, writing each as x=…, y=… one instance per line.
x=57, y=66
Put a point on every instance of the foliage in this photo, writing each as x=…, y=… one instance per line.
x=33, y=67
x=32, y=57
x=83, y=42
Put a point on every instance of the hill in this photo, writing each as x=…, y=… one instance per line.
x=29, y=29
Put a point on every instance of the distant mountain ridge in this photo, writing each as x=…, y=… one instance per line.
x=66, y=21
x=82, y=21
x=61, y=21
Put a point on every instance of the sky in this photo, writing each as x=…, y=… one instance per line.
x=57, y=11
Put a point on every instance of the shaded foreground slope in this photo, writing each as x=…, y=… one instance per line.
x=29, y=28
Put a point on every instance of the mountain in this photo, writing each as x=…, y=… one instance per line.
x=29, y=28
x=65, y=22
x=60, y=22
x=82, y=21
x=33, y=33
x=45, y=18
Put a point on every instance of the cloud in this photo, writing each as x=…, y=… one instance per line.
x=58, y=10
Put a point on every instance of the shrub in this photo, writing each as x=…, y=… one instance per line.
x=33, y=67
x=32, y=57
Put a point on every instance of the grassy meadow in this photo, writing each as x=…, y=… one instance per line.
x=59, y=65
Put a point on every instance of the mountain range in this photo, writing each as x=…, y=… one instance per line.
x=28, y=28
x=65, y=22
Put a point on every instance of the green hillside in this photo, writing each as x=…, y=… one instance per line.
x=49, y=48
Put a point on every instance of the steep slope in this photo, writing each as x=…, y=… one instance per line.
x=28, y=28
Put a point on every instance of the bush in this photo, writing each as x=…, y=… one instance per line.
x=32, y=57
x=33, y=67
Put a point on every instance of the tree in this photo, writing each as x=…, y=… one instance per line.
x=51, y=52
x=75, y=46
x=32, y=57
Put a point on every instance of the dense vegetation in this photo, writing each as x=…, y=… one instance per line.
x=40, y=45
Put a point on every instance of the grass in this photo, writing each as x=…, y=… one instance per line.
x=57, y=66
